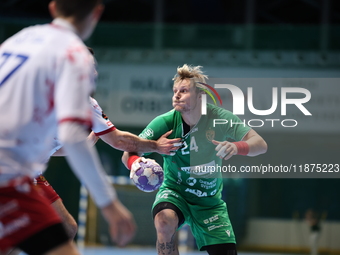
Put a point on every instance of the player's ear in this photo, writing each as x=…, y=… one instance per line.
x=98, y=11
x=53, y=9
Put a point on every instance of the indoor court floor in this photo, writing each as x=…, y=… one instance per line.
x=145, y=251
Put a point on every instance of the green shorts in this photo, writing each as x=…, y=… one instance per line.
x=209, y=225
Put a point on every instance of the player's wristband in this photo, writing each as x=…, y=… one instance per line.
x=242, y=148
x=131, y=160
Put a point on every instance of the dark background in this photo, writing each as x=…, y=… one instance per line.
x=306, y=12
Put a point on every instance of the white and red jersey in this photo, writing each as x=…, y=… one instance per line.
x=101, y=124
x=46, y=77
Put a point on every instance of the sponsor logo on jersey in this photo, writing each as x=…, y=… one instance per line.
x=24, y=188
x=179, y=181
x=13, y=226
x=204, y=169
x=224, y=224
x=148, y=133
x=104, y=116
x=186, y=169
x=8, y=208
x=191, y=181
x=213, y=192
x=212, y=227
x=207, y=184
x=197, y=192
x=165, y=194
x=211, y=219
x=42, y=178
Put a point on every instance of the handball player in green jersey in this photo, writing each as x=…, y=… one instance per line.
x=191, y=191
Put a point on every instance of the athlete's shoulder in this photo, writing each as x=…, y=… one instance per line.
x=98, y=111
x=94, y=103
x=61, y=36
x=164, y=121
x=45, y=40
x=169, y=114
x=23, y=35
x=168, y=117
x=95, y=106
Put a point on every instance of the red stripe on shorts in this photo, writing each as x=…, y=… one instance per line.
x=47, y=189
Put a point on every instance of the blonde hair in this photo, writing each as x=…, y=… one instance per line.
x=197, y=78
x=193, y=73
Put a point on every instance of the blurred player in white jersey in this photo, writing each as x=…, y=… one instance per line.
x=46, y=77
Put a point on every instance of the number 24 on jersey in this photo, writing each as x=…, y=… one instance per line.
x=193, y=146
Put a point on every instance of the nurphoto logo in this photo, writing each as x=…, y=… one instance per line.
x=239, y=105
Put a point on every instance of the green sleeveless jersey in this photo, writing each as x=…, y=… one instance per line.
x=193, y=170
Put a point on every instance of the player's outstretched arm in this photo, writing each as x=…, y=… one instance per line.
x=126, y=141
x=251, y=145
x=91, y=139
x=86, y=165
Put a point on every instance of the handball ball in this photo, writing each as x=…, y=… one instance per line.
x=149, y=176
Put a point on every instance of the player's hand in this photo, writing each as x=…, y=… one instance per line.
x=168, y=146
x=136, y=165
x=225, y=150
x=122, y=226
